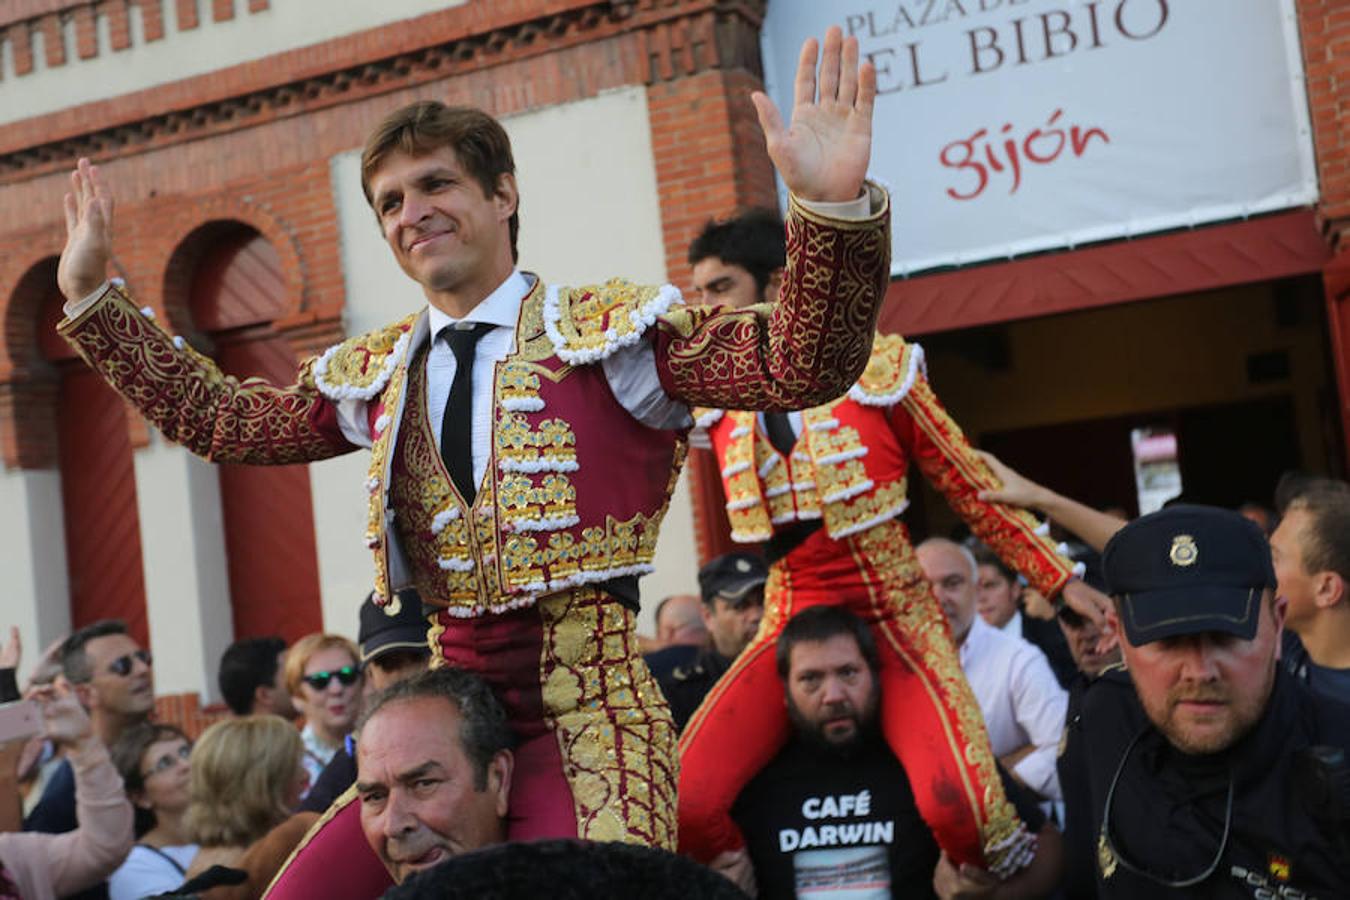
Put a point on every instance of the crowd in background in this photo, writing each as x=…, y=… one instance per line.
x=106, y=802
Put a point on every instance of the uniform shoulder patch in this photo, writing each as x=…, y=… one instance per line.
x=891, y=371
x=359, y=367
x=587, y=324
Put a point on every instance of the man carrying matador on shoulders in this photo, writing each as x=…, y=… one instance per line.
x=824, y=489
x=525, y=437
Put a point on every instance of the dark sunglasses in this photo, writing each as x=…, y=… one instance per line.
x=169, y=760
x=346, y=675
x=123, y=665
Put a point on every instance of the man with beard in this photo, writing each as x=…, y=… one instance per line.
x=1217, y=775
x=834, y=811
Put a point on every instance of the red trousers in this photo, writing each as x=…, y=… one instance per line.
x=929, y=716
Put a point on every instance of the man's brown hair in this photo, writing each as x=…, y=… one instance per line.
x=1325, y=541
x=479, y=141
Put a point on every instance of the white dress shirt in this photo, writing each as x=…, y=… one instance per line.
x=1021, y=701
x=1013, y=627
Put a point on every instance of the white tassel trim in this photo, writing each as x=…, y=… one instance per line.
x=917, y=364
x=842, y=456
x=735, y=469
x=803, y=485
x=1043, y=529
x=382, y=422
x=1079, y=569
x=455, y=565
x=751, y=537
x=523, y=404
x=808, y=514
x=739, y=431
x=351, y=391
x=544, y=523
x=642, y=318
x=444, y=518
x=708, y=418
x=778, y=491
x=848, y=492
x=872, y=522
x=178, y=342
x=825, y=425
x=372, y=485
x=148, y=313
x=1062, y=550
x=542, y=464
x=783, y=518
x=769, y=463
x=536, y=588
x=743, y=503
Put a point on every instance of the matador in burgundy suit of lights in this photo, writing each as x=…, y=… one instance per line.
x=573, y=497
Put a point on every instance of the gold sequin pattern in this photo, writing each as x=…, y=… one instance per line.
x=613, y=725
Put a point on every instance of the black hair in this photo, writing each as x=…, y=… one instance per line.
x=74, y=661
x=818, y=624
x=753, y=240
x=483, y=732
x=244, y=667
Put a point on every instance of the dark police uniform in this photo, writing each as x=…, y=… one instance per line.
x=686, y=684
x=1246, y=822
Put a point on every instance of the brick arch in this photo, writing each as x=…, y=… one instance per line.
x=215, y=218
x=308, y=330
x=29, y=387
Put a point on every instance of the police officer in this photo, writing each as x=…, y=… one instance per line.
x=1211, y=773
x=733, y=603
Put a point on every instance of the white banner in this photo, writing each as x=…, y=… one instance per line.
x=1006, y=127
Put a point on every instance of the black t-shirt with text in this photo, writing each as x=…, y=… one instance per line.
x=818, y=824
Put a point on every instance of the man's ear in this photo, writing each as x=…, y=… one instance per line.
x=1328, y=589
x=86, y=693
x=1279, y=609
x=507, y=195
x=262, y=697
x=499, y=779
x=772, y=286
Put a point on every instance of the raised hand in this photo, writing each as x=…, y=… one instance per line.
x=823, y=153
x=89, y=212
x=65, y=721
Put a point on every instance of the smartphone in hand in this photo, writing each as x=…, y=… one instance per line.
x=19, y=721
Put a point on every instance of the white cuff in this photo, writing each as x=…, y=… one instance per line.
x=73, y=308
x=846, y=210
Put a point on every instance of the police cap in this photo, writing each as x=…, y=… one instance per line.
x=1188, y=569
x=731, y=576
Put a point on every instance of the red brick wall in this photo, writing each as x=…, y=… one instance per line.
x=1325, y=29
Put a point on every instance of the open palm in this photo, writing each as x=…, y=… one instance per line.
x=823, y=153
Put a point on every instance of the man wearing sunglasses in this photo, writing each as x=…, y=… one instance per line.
x=1217, y=774
x=114, y=681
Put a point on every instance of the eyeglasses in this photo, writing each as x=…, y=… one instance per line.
x=346, y=675
x=122, y=666
x=169, y=760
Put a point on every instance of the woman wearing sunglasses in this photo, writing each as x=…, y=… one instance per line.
x=153, y=761
x=324, y=678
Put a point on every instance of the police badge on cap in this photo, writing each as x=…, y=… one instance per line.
x=1186, y=570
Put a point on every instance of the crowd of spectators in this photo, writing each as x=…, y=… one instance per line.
x=217, y=817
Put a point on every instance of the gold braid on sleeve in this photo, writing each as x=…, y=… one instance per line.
x=216, y=416
x=802, y=351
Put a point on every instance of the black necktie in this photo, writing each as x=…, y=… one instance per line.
x=780, y=432
x=457, y=426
